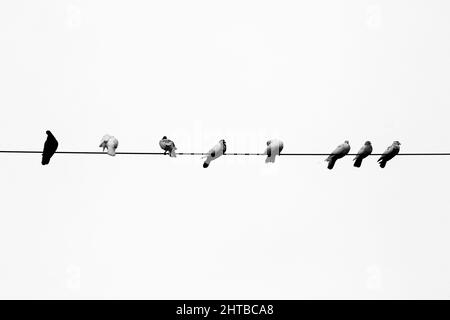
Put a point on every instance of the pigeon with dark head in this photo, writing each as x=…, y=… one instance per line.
x=338, y=153
x=390, y=153
x=50, y=146
x=168, y=146
x=365, y=151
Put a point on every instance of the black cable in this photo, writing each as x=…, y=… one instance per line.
x=226, y=154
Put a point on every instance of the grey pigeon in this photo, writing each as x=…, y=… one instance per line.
x=274, y=148
x=390, y=152
x=365, y=150
x=338, y=153
x=109, y=142
x=219, y=149
x=168, y=146
x=50, y=146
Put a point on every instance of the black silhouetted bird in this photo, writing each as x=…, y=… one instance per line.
x=168, y=146
x=50, y=146
x=365, y=150
x=390, y=153
x=338, y=153
x=219, y=149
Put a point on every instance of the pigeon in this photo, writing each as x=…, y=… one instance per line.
x=50, y=146
x=274, y=147
x=219, y=149
x=168, y=146
x=365, y=150
x=390, y=152
x=109, y=142
x=338, y=153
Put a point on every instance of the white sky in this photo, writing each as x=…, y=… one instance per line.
x=313, y=74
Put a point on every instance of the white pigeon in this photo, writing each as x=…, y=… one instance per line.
x=219, y=149
x=109, y=142
x=338, y=153
x=168, y=146
x=274, y=148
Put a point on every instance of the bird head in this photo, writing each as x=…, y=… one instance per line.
x=397, y=143
x=48, y=132
x=368, y=143
x=224, y=146
x=164, y=137
x=346, y=142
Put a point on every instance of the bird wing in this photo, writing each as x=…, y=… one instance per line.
x=341, y=150
x=165, y=144
x=212, y=151
x=388, y=154
x=360, y=152
x=388, y=150
x=170, y=144
x=364, y=151
x=276, y=147
x=216, y=151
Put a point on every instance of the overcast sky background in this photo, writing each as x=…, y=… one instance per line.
x=311, y=73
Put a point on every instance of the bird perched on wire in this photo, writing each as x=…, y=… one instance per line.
x=168, y=146
x=390, y=153
x=365, y=150
x=274, y=148
x=338, y=153
x=109, y=142
x=219, y=149
x=50, y=146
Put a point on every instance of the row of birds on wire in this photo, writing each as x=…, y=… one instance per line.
x=274, y=148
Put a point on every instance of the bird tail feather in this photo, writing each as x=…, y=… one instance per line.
x=331, y=163
x=358, y=162
x=173, y=154
x=206, y=163
x=270, y=159
x=382, y=163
